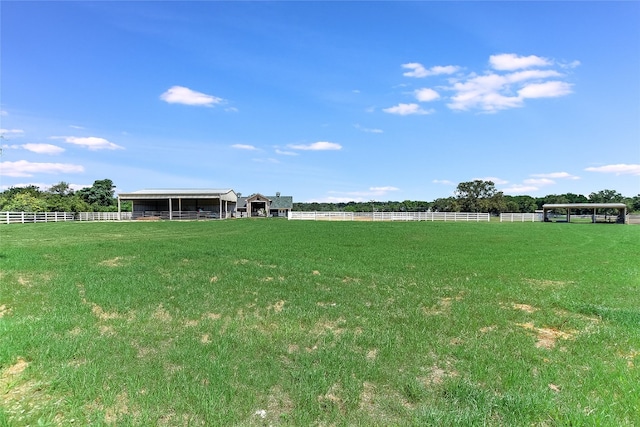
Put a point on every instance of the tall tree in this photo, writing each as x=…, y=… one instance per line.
x=100, y=195
x=479, y=196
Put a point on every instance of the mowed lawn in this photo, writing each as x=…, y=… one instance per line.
x=275, y=322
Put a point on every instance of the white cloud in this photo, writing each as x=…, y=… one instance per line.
x=619, y=169
x=418, y=70
x=3, y=113
x=11, y=132
x=511, y=61
x=539, y=181
x=356, y=196
x=380, y=191
x=266, y=160
x=426, y=95
x=493, y=92
x=406, y=109
x=43, y=148
x=443, y=182
x=545, y=90
x=286, y=153
x=316, y=146
x=186, y=96
x=495, y=180
x=23, y=168
x=520, y=189
x=244, y=147
x=555, y=175
x=91, y=142
x=368, y=130
x=507, y=83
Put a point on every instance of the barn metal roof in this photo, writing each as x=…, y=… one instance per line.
x=180, y=193
x=584, y=206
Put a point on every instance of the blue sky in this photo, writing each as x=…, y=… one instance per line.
x=324, y=101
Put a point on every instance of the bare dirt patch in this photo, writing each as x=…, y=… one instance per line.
x=114, y=262
x=21, y=398
x=4, y=311
x=333, y=398
x=333, y=326
x=443, y=306
x=161, y=314
x=277, y=306
x=436, y=375
x=525, y=307
x=547, y=337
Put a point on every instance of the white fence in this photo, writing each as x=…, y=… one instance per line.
x=520, y=217
x=25, y=217
x=390, y=216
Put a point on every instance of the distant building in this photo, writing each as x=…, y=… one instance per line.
x=179, y=203
x=203, y=204
x=258, y=205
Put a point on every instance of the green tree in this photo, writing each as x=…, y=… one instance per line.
x=606, y=196
x=100, y=196
x=480, y=196
x=25, y=202
x=446, y=204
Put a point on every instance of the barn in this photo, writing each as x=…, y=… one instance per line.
x=181, y=203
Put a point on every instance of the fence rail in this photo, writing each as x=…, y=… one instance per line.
x=30, y=217
x=389, y=216
x=521, y=217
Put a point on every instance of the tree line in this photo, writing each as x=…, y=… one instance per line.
x=475, y=196
x=100, y=197
x=471, y=196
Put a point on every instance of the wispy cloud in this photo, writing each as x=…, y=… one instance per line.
x=520, y=189
x=357, y=196
x=286, y=153
x=244, y=147
x=418, y=70
x=316, y=146
x=619, y=169
x=11, y=132
x=555, y=175
x=368, y=130
x=539, y=181
x=92, y=143
x=406, y=110
x=23, y=168
x=495, y=180
x=443, y=182
x=37, y=148
x=186, y=96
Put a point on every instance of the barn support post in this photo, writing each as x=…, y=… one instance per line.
x=170, y=209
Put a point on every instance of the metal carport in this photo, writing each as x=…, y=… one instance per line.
x=593, y=207
x=180, y=203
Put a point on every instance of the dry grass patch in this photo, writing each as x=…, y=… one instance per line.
x=547, y=337
x=21, y=398
x=443, y=306
x=525, y=307
x=4, y=311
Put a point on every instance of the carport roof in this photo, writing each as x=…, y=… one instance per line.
x=180, y=193
x=584, y=206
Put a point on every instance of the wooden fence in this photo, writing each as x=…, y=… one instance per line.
x=389, y=216
x=30, y=217
x=520, y=217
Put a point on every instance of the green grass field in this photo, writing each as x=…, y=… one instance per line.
x=275, y=322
